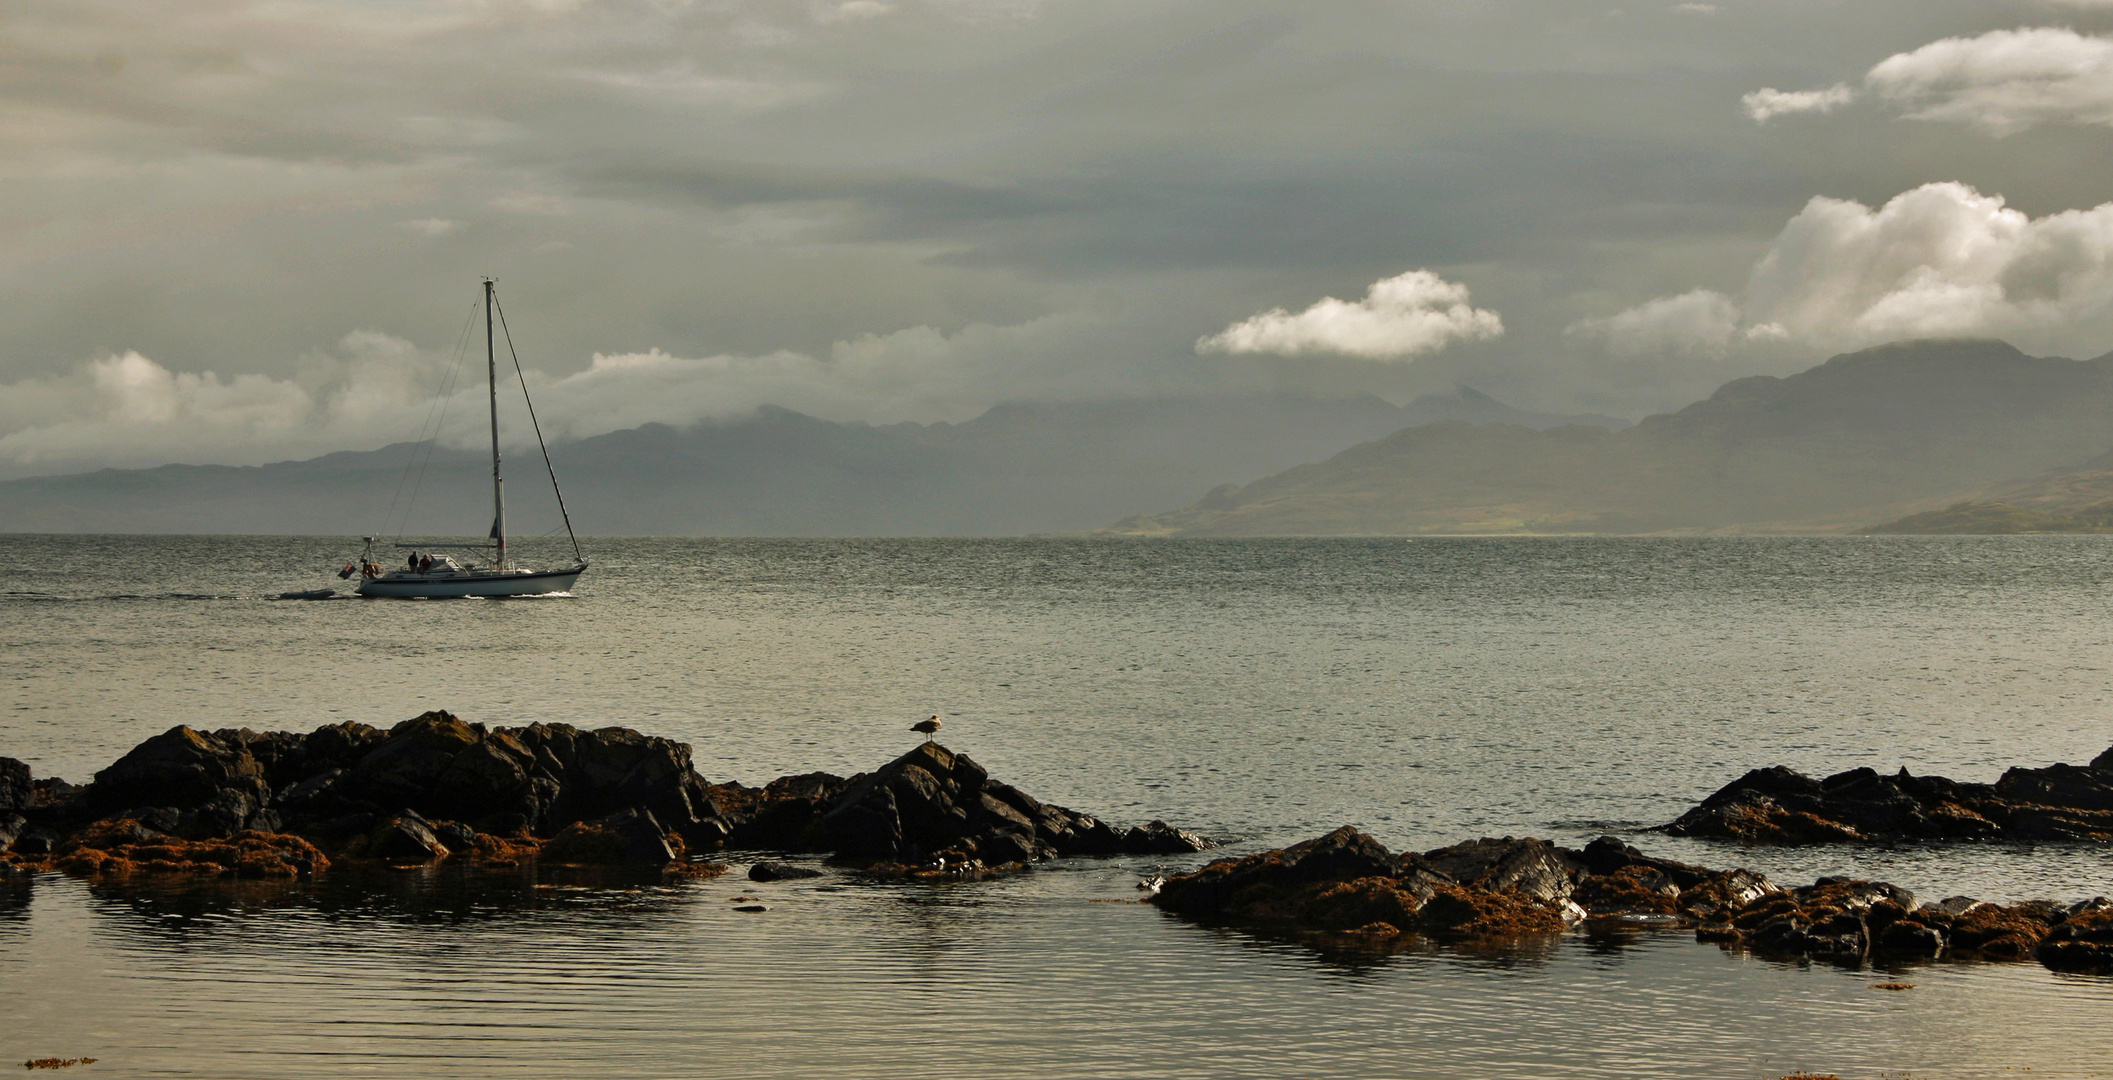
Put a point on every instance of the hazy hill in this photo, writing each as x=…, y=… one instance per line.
x=2078, y=499
x=1015, y=469
x=1862, y=437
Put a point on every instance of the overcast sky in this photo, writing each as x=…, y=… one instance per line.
x=248, y=230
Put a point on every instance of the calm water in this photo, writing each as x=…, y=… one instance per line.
x=1260, y=691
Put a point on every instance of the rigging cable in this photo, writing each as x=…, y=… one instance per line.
x=552, y=469
x=440, y=406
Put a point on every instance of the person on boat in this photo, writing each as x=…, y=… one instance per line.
x=412, y=563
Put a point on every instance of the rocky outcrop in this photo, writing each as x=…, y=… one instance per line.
x=1347, y=887
x=435, y=786
x=1778, y=805
x=16, y=792
x=351, y=780
x=929, y=804
x=1347, y=882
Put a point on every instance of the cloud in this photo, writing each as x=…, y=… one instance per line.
x=1698, y=9
x=2004, y=81
x=1697, y=322
x=851, y=11
x=1402, y=316
x=1940, y=260
x=431, y=228
x=1770, y=102
x=129, y=410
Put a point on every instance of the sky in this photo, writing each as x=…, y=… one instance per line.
x=239, y=231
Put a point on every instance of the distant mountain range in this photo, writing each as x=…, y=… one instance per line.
x=1016, y=469
x=1897, y=430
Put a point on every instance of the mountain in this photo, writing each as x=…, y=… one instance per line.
x=1015, y=469
x=1859, y=438
x=2072, y=500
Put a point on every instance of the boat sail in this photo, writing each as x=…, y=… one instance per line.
x=428, y=573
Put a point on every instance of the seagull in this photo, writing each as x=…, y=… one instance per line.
x=927, y=728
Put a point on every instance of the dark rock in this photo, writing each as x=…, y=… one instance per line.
x=1529, y=867
x=924, y=802
x=2082, y=942
x=628, y=836
x=455, y=835
x=405, y=836
x=2104, y=762
x=1910, y=937
x=1160, y=838
x=11, y=826
x=778, y=871
x=404, y=769
x=1715, y=899
x=228, y=811
x=16, y=792
x=36, y=840
x=1348, y=882
x=1781, y=806
x=184, y=768
x=1608, y=854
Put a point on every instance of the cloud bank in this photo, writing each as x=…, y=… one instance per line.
x=1400, y=317
x=1940, y=260
x=2003, y=82
x=130, y=410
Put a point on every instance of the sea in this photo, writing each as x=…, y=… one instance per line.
x=1260, y=692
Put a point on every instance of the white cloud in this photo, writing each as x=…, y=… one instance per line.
x=431, y=228
x=129, y=410
x=1696, y=322
x=1402, y=316
x=2004, y=81
x=1770, y=102
x=1698, y=9
x=1940, y=260
x=851, y=11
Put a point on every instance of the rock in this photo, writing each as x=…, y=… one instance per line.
x=455, y=836
x=2082, y=942
x=1528, y=867
x=778, y=871
x=1910, y=937
x=1717, y=898
x=1781, y=806
x=1630, y=890
x=1346, y=881
x=16, y=792
x=924, y=802
x=1160, y=838
x=184, y=768
x=11, y=826
x=405, y=836
x=404, y=768
x=36, y=840
x=629, y=836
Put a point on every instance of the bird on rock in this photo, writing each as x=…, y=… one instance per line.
x=926, y=728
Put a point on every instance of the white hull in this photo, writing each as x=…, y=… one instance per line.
x=471, y=583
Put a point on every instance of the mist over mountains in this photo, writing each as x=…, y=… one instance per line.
x=1862, y=438
x=1025, y=468
x=1886, y=435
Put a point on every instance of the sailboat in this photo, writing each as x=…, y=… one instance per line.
x=428, y=572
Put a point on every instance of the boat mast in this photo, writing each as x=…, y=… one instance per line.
x=491, y=369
